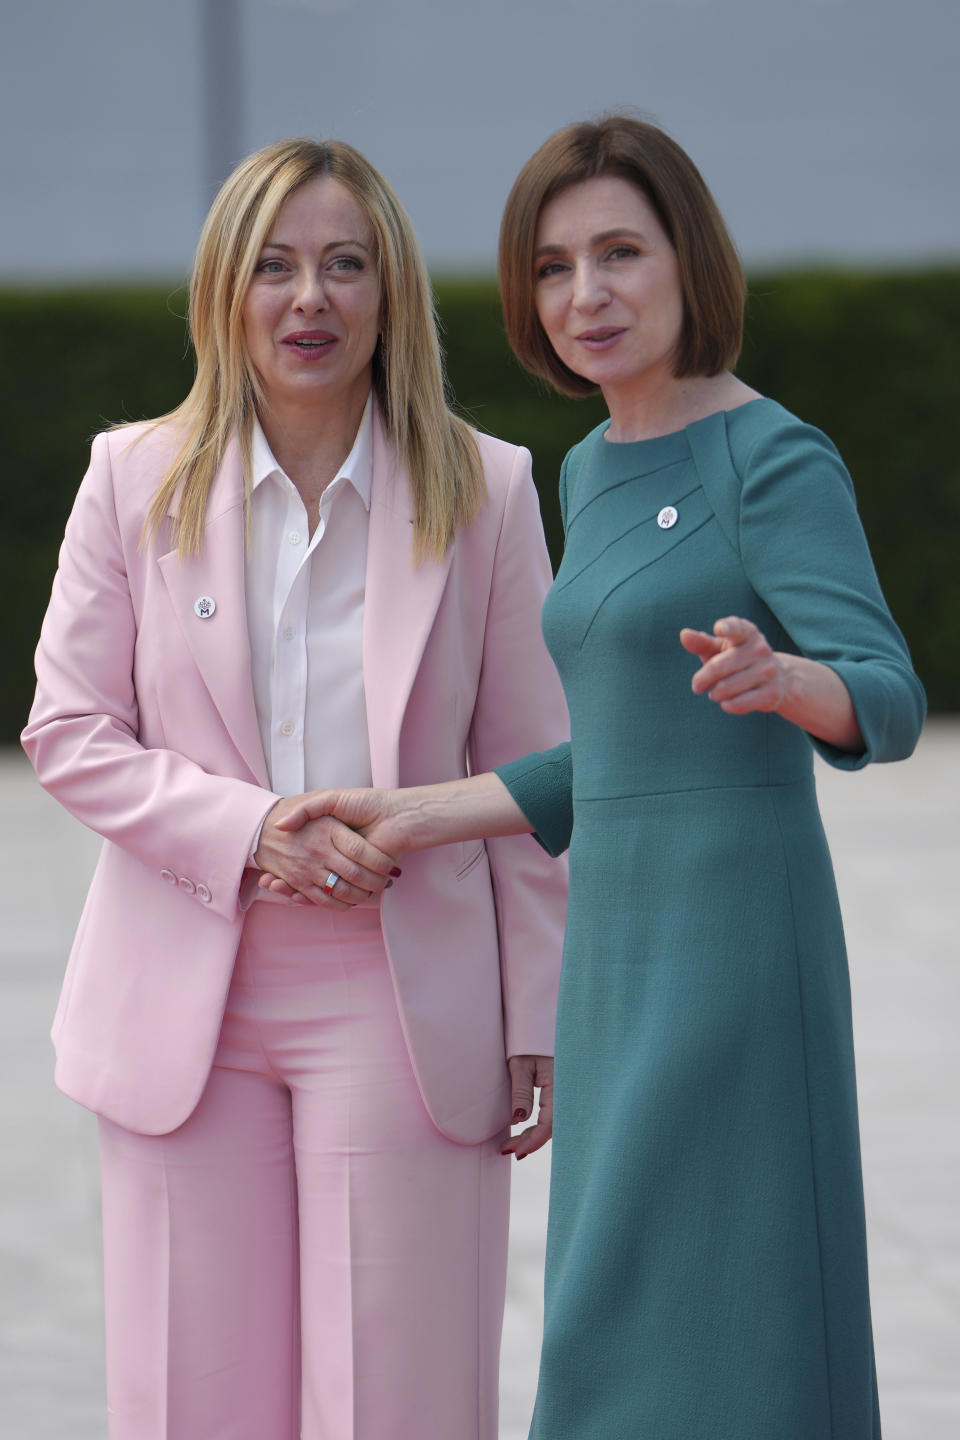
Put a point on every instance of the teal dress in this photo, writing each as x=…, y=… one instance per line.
x=706, y=1260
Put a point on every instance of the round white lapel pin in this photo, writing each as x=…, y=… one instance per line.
x=667, y=518
x=204, y=606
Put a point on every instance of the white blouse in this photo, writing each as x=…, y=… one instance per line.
x=305, y=616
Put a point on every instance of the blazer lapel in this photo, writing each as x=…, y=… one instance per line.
x=400, y=604
x=220, y=642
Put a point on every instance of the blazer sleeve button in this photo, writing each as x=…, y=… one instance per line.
x=187, y=885
x=169, y=876
x=204, y=894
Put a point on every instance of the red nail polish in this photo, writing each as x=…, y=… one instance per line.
x=519, y=1115
x=396, y=872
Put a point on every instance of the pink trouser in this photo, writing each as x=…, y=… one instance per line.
x=307, y=1255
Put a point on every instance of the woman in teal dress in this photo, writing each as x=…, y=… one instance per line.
x=716, y=618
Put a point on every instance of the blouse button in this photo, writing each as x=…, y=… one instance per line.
x=287, y=728
x=294, y=537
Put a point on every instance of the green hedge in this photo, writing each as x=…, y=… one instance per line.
x=871, y=358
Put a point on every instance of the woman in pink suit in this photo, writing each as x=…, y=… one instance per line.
x=309, y=574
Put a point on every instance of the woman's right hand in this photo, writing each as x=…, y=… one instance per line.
x=301, y=845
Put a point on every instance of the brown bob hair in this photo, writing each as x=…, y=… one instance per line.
x=711, y=276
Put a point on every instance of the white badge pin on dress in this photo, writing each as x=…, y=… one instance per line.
x=204, y=606
x=667, y=518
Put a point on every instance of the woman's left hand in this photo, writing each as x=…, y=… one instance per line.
x=527, y=1072
x=739, y=671
x=741, y=674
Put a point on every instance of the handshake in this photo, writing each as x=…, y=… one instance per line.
x=337, y=847
x=331, y=847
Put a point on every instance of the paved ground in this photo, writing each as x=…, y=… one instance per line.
x=896, y=843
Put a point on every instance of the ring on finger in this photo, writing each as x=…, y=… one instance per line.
x=330, y=883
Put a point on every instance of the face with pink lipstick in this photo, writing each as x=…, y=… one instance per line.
x=311, y=314
x=607, y=285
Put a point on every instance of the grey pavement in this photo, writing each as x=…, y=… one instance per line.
x=896, y=842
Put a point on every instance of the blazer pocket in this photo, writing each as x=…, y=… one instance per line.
x=473, y=858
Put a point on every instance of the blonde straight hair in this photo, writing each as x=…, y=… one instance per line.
x=437, y=447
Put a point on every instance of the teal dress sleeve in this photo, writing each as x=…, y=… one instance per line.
x=542, y=783
x=805, y=553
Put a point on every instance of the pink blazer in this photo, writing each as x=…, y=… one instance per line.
x=144, y=727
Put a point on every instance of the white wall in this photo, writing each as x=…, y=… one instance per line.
x=827, y=128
